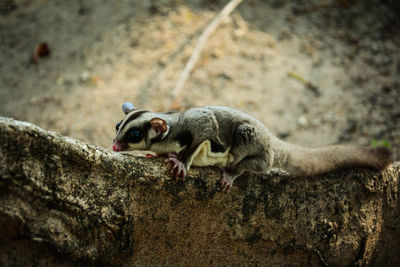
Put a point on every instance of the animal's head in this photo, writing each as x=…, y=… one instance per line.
x=139, y=129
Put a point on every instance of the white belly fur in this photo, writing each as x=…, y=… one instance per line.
x=203, y=156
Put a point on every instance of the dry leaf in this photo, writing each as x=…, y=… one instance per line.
x=41, y=50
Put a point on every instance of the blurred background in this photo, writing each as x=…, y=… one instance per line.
x=315, y=72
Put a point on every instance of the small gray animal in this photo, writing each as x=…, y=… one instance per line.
x=234, y=141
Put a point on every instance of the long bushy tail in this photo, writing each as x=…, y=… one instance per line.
x=312, y=161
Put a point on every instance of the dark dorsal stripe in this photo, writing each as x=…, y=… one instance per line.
x=170, y=112
x=132, y=116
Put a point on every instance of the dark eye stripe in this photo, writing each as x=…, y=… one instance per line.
x=117, y=126
x=132, y=117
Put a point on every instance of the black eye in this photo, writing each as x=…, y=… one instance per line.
x=134, y=136
x=117, y=126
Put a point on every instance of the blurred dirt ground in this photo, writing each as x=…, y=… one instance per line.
x=104, y=53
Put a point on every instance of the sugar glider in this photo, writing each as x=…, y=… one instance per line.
x=234, y=141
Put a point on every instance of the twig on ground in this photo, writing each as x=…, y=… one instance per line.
x=308, y=84
x=226, y=11
x=158, y=69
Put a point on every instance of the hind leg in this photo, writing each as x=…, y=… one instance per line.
x=250, y=152
x=254, y=163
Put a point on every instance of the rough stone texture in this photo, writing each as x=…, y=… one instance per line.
x=63, y=201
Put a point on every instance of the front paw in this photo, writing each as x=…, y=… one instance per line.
x=226, y=181
x=178, y=168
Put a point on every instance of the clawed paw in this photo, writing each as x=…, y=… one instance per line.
x=226, y=182
x=178, y=167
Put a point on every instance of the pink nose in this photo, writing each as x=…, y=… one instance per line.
x=116, y=147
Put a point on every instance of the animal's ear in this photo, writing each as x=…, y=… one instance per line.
x=158, y=127
x=127, y=107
